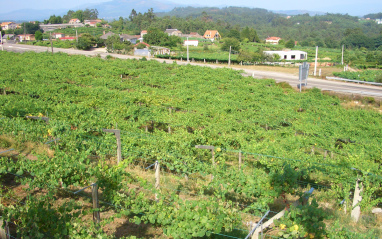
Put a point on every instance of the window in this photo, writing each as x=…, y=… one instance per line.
x=293, y=57
x=302, y=56
x=285, y=57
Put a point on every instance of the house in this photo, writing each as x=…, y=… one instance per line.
x=8, y=25
x=147, y=45
x=191, y=43
x=289, y=55
x=106, y=35
x=173, y=32
x=273, y=40
x=92, y=23
x=192, y=34
x=8, y=37
x=142, y=52
x=26, y=37
x=67, y=38
x=378, y=21
x=74, y=21
x=131, y=38
x=57, y=35
x=212, y=35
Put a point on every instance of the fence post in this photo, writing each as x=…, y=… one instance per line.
x=96, y=213
x=239, y=159
x=4, y=91
x=355, y=213
x=157, y=178
x=4, y=233
x=117, y=134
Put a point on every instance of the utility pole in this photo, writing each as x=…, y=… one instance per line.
x=25, y=35
x=229, y=56
x=76, y=37
x=51, y=42
x=315, y=61
x=342, y=58
x=1, y=35
x=188, y=56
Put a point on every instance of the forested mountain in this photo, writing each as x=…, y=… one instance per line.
x=374, y=15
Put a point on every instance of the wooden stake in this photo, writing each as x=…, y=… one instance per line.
x=4, y=233
x=240, y=160
x=96, y=213
x=146, y=128
x=169, y=130
x=157, y=178
x=4, y=92
x=326, y=154
x=117, y=134
x=213, y=157
x=356, y=212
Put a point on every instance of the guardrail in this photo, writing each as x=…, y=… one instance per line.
x=355, y=81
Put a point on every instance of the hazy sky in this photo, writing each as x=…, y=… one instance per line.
x=352, y=7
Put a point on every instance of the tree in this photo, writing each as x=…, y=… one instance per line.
x=54, y=20
x=154, y=36
x=38, y=35
x=132, y=15
x=79, y=15
x=230, y=42
x=114, y=44
x=30, y=28
x=85, y=42
x=68, y=16
x=250, y=34
x=90, y=14
x=233, y=33
x=289, y=44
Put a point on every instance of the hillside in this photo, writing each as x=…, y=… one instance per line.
x=270, y=144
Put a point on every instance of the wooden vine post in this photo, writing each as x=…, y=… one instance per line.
x=157, y=179
x=256, y=233
x=117, y=134
x=96, y=213
x=212, y=148
x=239, y=159
x=4, y=233
x=356, y=212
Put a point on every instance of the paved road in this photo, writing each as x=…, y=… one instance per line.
x=341, y=87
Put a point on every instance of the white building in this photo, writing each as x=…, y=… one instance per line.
x=289, y=55
x=191, y=42
x=273, y=40
x=378, y=21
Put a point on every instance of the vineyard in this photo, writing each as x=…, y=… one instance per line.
x=204, y=152
x=366, y=75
